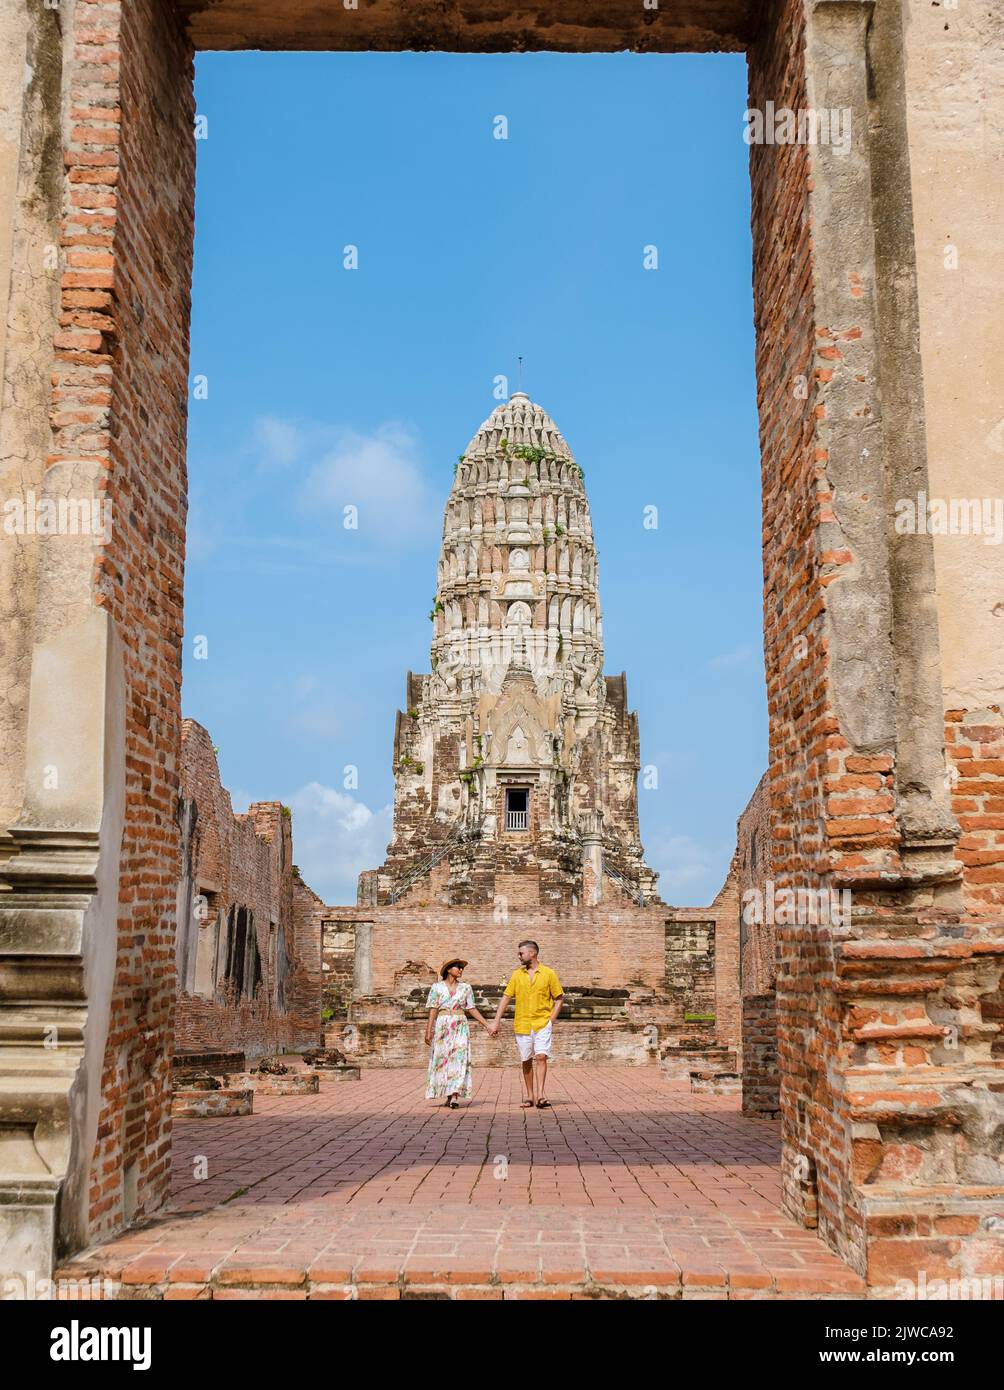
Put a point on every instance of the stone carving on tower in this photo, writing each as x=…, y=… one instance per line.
x=516, y=759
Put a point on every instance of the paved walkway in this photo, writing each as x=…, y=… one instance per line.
x=629, y=1184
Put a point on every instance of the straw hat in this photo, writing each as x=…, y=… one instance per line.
x=453, y=960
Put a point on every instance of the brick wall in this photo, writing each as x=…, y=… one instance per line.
x=754, y=869
x=674, y=961
x=876, y=1108
x=724, y=913
x=120, y=402
x=805, y=745
x=975, y=741
x=402, y=1043
x=761, y=1079
x=587, y=946
x=241, y=864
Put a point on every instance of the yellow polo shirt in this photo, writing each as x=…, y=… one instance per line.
x=534, y=998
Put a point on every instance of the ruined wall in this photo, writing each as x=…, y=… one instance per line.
x=397, y=1043
x=760, y=1075
x=267, y=999
x=806, y=747
x=120, y=403
x=615, y=947
x=679, y=965
x=754, y=870
x=880, y=1120
x=754, y=874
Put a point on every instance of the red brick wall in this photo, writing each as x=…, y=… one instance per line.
x=761, y=1077
x=120, y=400
x=587, y=946
x=605, y=947
x=754, y=870
x=805, y=745
x=976, y=751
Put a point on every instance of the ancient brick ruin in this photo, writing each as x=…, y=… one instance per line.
x=516, y=807
x=249, y=928
x=878, y=376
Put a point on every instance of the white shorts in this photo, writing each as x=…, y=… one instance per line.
x=536, y=1043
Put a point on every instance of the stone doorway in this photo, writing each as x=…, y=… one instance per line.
x=890, y=1025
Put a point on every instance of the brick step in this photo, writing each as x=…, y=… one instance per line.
x=579, y=1002
x=715, y=1083
x=216, y=1063
x=679, y=1061
x=228, y=1101
x=401, y=1042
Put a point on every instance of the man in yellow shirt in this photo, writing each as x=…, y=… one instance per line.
x=538, y=994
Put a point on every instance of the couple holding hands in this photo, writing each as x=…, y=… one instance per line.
x=538, y=994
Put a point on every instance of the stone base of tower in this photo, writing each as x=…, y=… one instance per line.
x=640, y=982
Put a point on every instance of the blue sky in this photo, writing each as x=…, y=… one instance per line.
x=324, y=385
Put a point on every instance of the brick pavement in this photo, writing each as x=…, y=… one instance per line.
x=629, y=1184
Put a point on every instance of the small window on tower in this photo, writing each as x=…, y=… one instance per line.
x=516, y=809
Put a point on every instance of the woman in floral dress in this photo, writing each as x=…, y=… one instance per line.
x=449, y=1003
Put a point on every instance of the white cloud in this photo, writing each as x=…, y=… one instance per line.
x=334, y=838
x=740, y=656
x=380, y=475
x=278, y=441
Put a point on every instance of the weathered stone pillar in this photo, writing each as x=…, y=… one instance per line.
x=592, y=861
x=58, y=940
x=362, y=965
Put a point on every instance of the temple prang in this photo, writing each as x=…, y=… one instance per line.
x=515, y=753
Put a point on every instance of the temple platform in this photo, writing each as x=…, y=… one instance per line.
x=628, y=1187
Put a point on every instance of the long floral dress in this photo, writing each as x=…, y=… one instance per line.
x=450, y=1060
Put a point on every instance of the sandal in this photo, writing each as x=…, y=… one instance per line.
x=526, y=1105
x=543, y=1104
